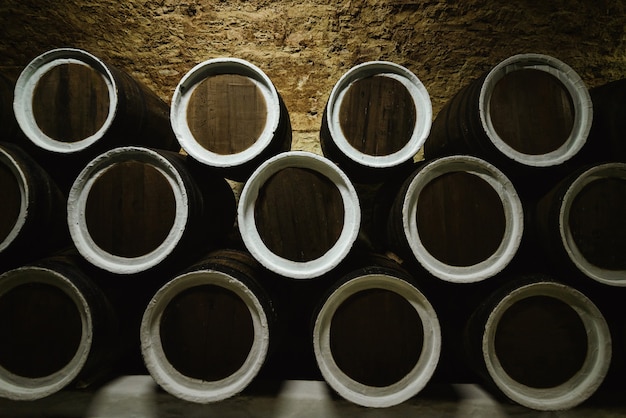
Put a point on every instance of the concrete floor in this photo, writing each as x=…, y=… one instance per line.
x=139, y=396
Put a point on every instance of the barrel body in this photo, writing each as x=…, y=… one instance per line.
x=72, y=106
x=376, y=120
x=299, y=215
x=228, y=115
x=458, y=217
x=580, y=226
x=32, y=209
x=58, y=329
x=206, y=333
x=528, y=114
x=542, y=344
x=605, y=142
x=9, y=129
x=133, y=209
x=376, y=336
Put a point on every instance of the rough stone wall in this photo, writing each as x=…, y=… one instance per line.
x=305, y=46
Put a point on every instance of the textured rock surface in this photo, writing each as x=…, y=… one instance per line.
x=305, y=46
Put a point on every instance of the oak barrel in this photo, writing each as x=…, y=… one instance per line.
x=580, y=223
x=459, y=217
x=206, y=333
x=376, y=336
x=58, y=329
x=527, y=113
x=299, y=215
x=376, y=119
x=32, y=209
x=133, y=209
x=72, y=106
x=227, y=114
x=543, y=344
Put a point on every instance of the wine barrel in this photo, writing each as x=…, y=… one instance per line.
x=227, y=114
x=376, y=119
x=376, y=336
x=299, y=215
x=32, y=209
x=459, y=217
x=206, y=333
x=541, y=343
x=58, y=329
x=133, y=209
x=580, y=223
x=529, y=112
x=72, y=106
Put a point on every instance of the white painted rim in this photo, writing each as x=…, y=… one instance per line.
x=252, y=238
x=584, y=383
x=17, y=387
x=182, y=95
x=577, y=89
x=421, y=99
x=77, y=202
x=20, y=177
x=409, y=385
x=191, y=389
x=24, y=92
x=602, y=275
x=511, y=204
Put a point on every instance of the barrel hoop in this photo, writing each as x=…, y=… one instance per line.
x=602, y=275
x=584, y=383
x=182, y=95
x=22, y=388
x=252, y=238
x=27, y=82
x=172, y=380
x=409, y=385
x=577, y=89
x=77, y=202
x=421, y=100
x=511, y=204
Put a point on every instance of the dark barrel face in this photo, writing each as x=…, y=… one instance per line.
x=532, y=111
x=71, y=102
x=460, y=218
x=541, y=342
x=130, y=209
x=41, y=330
x=597, y=222
x=299, y=214
x=376, y=337
x=207, y=332
x=10, y=202
x=226, y=113
x=377, y=115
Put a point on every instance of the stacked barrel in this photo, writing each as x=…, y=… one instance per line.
x=194, y=240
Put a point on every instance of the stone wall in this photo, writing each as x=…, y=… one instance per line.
x=305, y=46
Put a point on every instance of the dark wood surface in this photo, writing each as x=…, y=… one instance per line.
x=541, y=342
x=376, y=337
x=226, y=113
x=460, y=219
x=532, y=111
x=40, y=330
x=377, y=115
x=130, y=209
x=206, y=332
x=299, y=214
x=71, y=102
